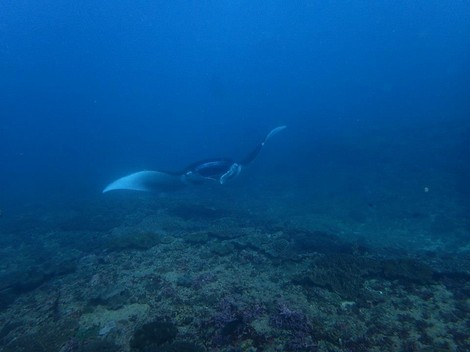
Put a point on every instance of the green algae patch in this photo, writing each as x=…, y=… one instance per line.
x=408, y=270
x=342, y=274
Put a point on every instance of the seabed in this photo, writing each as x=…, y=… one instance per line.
x=231, y=271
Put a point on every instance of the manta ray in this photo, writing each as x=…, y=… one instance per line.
x=219, y=170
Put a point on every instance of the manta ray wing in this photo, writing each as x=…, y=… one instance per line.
x=146, y=181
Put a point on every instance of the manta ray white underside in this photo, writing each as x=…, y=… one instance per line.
x=146, y=181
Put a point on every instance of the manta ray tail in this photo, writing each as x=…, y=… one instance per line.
x=273, y=132
x=146, y=181
x=254, y=153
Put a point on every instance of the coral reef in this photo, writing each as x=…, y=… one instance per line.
x=299, y=329
x=134, y=240
x=152, y=335
x=407, y=270
x=182, y=346
x=225, y=281
x=341, y=273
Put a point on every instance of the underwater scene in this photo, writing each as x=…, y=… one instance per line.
x=234, y=176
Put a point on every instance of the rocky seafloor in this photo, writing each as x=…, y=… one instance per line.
x=178, y=275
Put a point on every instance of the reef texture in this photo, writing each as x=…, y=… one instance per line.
x=192, y=277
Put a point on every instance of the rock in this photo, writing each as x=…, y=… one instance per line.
x=113, y=298
x=105, y=330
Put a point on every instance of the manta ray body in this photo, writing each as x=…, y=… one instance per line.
x=218, y=170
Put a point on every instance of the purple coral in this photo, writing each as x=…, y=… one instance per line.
x=297, y=325
x=229, y=311
x=232, y=322
x=289, y=319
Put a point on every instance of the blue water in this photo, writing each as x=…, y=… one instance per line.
x=372, y=169
x=92, y=91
